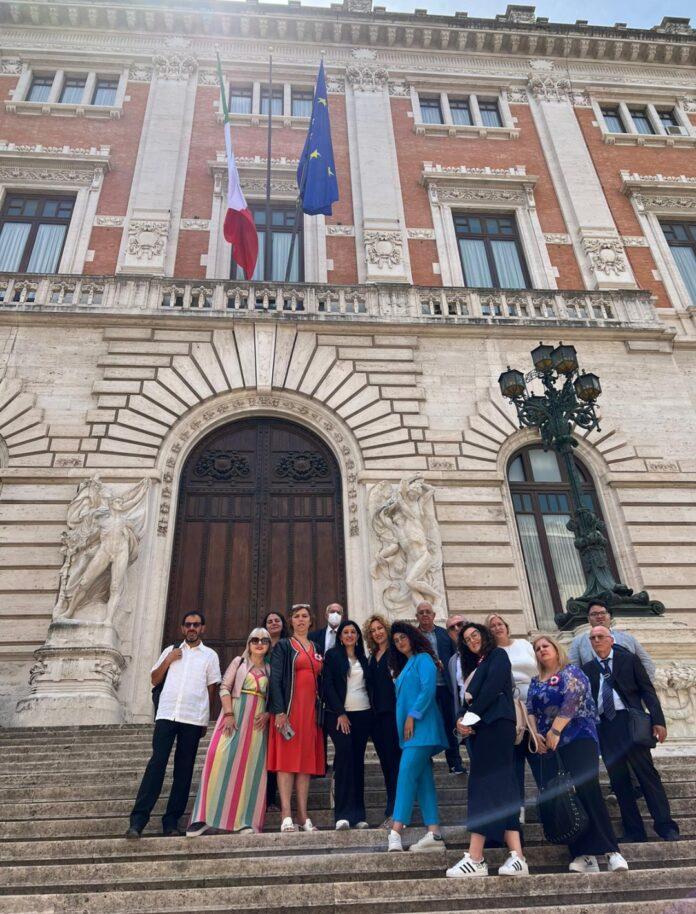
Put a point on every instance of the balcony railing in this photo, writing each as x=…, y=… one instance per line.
x=373, y=303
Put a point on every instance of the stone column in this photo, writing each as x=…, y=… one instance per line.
x=154, y=208
x=380, y=231
x=596, y=240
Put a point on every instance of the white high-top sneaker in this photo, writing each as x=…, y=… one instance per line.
x=616, y=862
x=394, y=841
x=514, y=866
x=585, y=864
x=467, y=867
x=429, y=842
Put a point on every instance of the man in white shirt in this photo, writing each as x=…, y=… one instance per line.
x=325, y=638
x=580, y=650
x=191, y=673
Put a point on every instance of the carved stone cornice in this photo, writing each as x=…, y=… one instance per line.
x=367, y=77
x=252, y=175
x=64, y=166
x=504, y=186
x=660, y=193
x=175, y=67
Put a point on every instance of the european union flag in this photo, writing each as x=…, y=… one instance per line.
x=316, y=173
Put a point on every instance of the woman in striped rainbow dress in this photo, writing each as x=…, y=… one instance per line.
x=232, y=794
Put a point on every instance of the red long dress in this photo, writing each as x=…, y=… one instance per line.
x=304, y=753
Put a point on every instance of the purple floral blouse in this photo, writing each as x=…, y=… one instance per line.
x=567, y=694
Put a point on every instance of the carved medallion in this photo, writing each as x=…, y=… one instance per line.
x=301, y=466
x=222, y=465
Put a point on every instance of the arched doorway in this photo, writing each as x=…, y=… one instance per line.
x=259, y=526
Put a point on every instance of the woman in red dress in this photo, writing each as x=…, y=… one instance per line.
x=296, y=741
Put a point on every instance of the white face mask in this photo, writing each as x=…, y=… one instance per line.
x=335, y=619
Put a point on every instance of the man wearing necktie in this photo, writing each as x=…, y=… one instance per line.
x=619, y=681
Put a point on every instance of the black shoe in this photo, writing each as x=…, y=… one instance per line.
x=173, y=832
x=133, y=832
x=457, y=769
x=671, y=835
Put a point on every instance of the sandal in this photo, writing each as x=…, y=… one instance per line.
x=308, y=826
x=288, y=825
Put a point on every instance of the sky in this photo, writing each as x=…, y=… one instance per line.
x=635, y=13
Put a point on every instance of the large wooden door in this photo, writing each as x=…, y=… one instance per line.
x=258, y=527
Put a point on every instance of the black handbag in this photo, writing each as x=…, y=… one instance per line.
x=640, y=728
x=157, y=690
x=562, y=815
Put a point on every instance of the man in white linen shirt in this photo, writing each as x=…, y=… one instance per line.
x=191, y=673
x=580, y=650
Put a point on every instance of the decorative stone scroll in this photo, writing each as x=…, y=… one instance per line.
x=606, y=255
x=366, y=78
x=383, y=249
x=676, y=687
x=177, y=67
x=408, y=548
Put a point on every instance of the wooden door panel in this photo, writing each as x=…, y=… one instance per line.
x=259, y=526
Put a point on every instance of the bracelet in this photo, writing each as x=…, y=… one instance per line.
x=228, y=714
x=555, y=731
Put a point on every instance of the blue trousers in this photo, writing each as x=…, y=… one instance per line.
x=416, y=782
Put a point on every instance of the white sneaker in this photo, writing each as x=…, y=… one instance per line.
x=362, y=825
x=288, y=825
x=308, y=826
x=616, y=862
x=394, y=841
x=584, y=864
x=429, y=842
x=514, y=866
x=467, y=867
x=196, y=829
x=342, y=825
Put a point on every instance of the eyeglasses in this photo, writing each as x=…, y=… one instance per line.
x=599, y=637
x=472, y=638
x=192, y=624
x=259, y=640
x=455, y=627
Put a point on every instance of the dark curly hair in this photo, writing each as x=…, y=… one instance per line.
x=468, y=659
x=396, y=661
x=359, y=647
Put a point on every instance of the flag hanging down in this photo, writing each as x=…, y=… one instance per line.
x=239, y=229
x=316, y=173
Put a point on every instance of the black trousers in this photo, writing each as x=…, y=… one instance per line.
x=445, y=703
x=620, y=756
x=187, y=737
x=580, y=759
x=493, y=804
x=349, y=765
x=524, y=754
x=385, y=737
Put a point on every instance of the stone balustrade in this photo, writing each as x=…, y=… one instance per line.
x=373, y=302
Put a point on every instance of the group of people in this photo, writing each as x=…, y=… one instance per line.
x=415, y=691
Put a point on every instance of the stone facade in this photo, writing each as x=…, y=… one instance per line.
x=116, y=365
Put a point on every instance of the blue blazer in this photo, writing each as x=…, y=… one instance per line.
x=491, y=688
x=415, y=697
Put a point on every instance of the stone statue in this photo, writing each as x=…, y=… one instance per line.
x=409, y=551
x=676, y=688
x=102, y=540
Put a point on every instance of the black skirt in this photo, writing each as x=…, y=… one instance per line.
x=493, y=793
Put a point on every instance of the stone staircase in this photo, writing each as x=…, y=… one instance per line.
x=66, y=794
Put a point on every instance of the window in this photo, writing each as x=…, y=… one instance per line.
x=302, y=101
x=490, y=113
x=32, y=232
x=105, y=92
x=490, y=251
x=40, y=88
x=612, y=118
x=461, y=112
x=273, y=258
x=240, y=100
x=669, y=119
x=541, y=498
x=681, y=238
x=73, y=90
x=641, y=120
x=431, y=112
x=276, y=101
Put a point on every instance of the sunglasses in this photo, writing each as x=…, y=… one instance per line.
x=192, y=624
x=455, y=627
x=259, y=640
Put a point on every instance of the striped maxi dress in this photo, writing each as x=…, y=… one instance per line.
x=232, y=794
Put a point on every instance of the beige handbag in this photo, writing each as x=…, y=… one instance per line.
x=523, y=725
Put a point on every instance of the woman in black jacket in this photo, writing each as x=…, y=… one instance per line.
x=348, y=721
x=493, y=810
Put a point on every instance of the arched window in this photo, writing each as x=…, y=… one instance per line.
x=541, y=498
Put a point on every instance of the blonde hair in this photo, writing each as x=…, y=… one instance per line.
x=497, y=616
x=563, y=658
x=255, y=633
x=367, y=637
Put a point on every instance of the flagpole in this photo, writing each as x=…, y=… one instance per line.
x=267, y=248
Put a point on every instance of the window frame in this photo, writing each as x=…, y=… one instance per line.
x=308, y=96
x=20, y=101
x=461, y=103
x=642, y=115
x=259, y=206
x=490, y=104
x=44, y=79
x=630, y=135
x=666, y=222
x=98, y=84
x=505, y=129
x=80, y=82
x=432, y=103
x=487, y=237
x=278, y=94
x=36, y=222
x=533, y=489
x=613, y=111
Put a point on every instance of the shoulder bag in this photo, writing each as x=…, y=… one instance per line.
x=562, y=815
x=319, y=709
x=639, y=722
x=157, y=690
x=523, y=725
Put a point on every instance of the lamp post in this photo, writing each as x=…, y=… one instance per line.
x=569, y=401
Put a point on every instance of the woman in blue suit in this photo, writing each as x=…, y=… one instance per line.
x=421, y=734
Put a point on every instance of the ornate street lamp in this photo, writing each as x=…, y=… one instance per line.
x=569, y=401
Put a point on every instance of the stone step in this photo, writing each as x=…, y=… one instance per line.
x=386, y=896
x=166, y=874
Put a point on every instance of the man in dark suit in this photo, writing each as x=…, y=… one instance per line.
x=619, y=681
x=443, y=648
x=325, y=638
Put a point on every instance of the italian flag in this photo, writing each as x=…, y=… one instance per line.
x=239, y=229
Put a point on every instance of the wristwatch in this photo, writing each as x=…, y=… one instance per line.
x=555, y=731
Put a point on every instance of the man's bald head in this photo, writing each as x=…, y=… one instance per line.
x=602, y=641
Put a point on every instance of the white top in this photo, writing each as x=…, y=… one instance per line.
x=184, y=696
x=524, y=665
x=618, y=704
x=357, y=698
x=329, y=638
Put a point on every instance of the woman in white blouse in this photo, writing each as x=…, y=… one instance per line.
x=524, y=667
x=348, y=721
